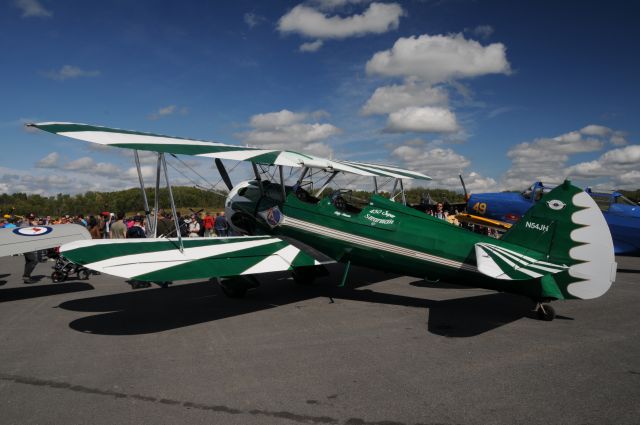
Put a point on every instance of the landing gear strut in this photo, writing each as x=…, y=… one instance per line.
x=545, y=312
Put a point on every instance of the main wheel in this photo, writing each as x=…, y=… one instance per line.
x=84, y=274
x=546, y=312
x=57, y=276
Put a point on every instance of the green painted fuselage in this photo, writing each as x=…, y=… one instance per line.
x=386, y=236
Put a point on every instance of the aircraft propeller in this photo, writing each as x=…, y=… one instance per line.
x=223, y=173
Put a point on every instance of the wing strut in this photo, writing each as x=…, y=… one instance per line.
x=173, y=204
x=284, y=189
x=144, y=193
x=324, y=186
x=258, y=177
x=157, y=199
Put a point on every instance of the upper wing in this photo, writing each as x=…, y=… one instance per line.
x=157, y=260
x=176, y=145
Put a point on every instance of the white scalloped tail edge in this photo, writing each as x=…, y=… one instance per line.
x=596, y=250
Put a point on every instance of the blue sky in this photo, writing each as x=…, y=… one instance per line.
x=504, y=94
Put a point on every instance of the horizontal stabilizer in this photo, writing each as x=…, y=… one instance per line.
x=501, y=263
x=19, y=240
x=160, y=259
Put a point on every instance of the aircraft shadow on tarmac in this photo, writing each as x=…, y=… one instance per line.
x=26, y=292
x=156, y=310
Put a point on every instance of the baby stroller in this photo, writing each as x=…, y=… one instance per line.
x=63, y=268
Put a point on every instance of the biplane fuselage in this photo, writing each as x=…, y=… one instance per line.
x=382, y=235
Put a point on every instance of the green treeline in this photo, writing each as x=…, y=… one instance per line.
x=129, y=200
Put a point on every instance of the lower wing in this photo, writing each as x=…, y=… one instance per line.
x=161, y=259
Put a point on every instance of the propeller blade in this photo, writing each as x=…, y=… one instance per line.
x=223, y=173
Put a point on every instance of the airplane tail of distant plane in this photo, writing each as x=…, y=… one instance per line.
x=565, y=239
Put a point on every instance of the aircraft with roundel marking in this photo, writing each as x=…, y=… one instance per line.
x=560, y=249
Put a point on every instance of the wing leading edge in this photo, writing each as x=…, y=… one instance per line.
x=176, y=145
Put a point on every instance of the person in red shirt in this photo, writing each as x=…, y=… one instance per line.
x=208, y=225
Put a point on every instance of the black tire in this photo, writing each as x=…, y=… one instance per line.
x=546, y=312
x=57, y=276
x=84, y=274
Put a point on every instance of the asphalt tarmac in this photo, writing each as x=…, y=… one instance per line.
x=384, y=350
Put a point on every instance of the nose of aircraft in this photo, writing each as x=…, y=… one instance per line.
x=240, y=205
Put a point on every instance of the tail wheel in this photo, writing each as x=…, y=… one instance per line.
x=546, y=312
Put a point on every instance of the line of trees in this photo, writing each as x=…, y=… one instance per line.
x=129, y=200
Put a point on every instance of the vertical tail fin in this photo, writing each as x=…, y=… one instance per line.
x=567, y=226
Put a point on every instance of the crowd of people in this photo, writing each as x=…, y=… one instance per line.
x=117, y=226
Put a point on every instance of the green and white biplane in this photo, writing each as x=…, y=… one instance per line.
x=561, y=249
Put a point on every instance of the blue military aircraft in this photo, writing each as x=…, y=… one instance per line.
x=621, y=214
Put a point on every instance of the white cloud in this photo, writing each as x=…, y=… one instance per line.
x=166, y=111
x=378, y=18
x=33, y=8
x=618, y=138
x=334, y=4
x=68, y=72
x=312, y=46
x=439, y=58
x=425, y=119
x=619, y=165
x=388, y=99
x=81, y=164
x=483, y=31
x=274, y=120
x=430, y=159
x=443, y=165
x=291, y=130
x=49, y=161
x=596, y=130
x=291, y=134
x=148, y=173
x=629, y=155
x=546, y=158
x=89, y=165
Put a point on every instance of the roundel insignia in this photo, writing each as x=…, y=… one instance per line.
x=274, y=216
x=32, y=230
x=556, y=204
